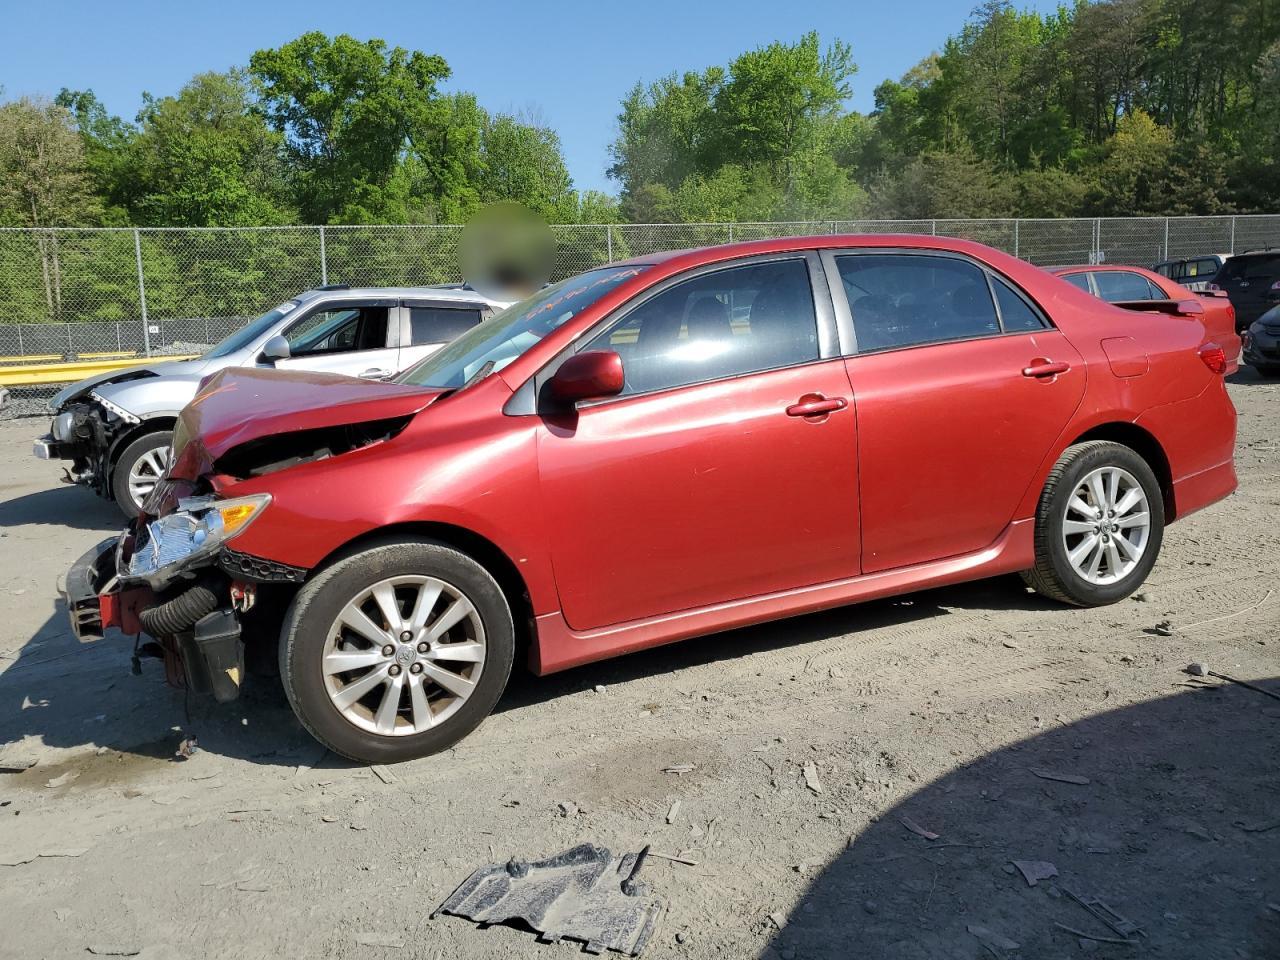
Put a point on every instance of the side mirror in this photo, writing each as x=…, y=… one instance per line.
x=277, y=348
x=588, y=376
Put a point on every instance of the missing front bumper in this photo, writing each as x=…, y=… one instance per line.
x=88, y=578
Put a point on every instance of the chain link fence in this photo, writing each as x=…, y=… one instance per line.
x=66, y=294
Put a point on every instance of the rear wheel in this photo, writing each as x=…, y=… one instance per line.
x=397, y=652
x=1099, y=525
x=139, y=468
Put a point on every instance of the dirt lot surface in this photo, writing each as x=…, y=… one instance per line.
x=1014, y=729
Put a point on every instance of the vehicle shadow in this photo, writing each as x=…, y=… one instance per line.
x=996, y=594
x=69, y=506
x=69, y=695
x=1176, y=828
x=1248, y=375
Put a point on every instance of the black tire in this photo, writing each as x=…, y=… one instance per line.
x=130, y=455
x=315, y=609
x=1267, y=370
x=1053, y=575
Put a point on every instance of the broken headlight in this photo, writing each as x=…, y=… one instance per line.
x=191, y=533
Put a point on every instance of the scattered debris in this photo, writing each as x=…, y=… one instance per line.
x=673, y=811
x=188, y=748
x=567, y=808
x=1010, y=644
x=1197, y=669
x=383, y=773
x=61, y=913
x=328, y=819
x=599, y=688
x=1245, y=683
x=918, y=830
x=811, y=780
x=113, y=950
x=673, y=858
x=1061, y=777
x=1121, y=925
x=1162, y=629
x=994, y=942
x=680, y=768
x=1261, y=827
x=63, y=780
x=1228, y=616
x=1033, y=871
x=246, y=886
x=379, y=940
x=778, y=919
x=584, y=894
x=1092, y=936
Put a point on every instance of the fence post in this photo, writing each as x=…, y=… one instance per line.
x=324, y=260
x=1097, y=240
x=608, y=241
x=1017, y=236
x=933, y=230
x=142, y=293
x=1166, y=239
x=1233, y=236
x=731, y=233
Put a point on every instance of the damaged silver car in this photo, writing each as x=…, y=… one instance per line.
x=116, y=429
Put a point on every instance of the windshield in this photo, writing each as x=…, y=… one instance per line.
x=498, y=341
x=246, y=335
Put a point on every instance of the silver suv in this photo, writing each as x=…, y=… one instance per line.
x=116, y=428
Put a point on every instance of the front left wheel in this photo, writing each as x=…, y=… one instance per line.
x=397, y=652
x=139, y=468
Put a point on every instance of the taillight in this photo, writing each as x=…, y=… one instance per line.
x=1214, y=357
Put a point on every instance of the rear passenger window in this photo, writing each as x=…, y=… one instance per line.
x=1118, y=287
x=1015, y=313
x=1080, y=280
x=440, y=324
x=900, y=300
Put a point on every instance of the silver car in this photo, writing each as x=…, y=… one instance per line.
x=116, y=428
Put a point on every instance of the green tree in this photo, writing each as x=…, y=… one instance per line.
x=352, y=110
x=523, y=163
x=205, y=158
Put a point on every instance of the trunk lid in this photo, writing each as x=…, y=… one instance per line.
x=241, y=404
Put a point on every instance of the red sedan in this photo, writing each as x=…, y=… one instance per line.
x=1140, y=289
x=658, y=449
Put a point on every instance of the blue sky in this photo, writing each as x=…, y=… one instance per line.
x=569, y=61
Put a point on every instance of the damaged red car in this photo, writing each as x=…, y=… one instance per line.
x=659, y=449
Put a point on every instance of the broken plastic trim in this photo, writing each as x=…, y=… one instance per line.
x=280, y=451
x=583, y=894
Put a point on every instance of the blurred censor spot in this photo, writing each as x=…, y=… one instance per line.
x=507, y=252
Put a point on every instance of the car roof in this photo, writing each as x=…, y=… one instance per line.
x=695, y=256
x=446, y=292
x=1103, y=268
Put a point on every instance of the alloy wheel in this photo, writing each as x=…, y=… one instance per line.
x=1106, y=525
x=403, y=655
x=146, y=472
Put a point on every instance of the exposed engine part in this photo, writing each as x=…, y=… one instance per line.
x=183, y=611
x=243, y=596
x=279, y=451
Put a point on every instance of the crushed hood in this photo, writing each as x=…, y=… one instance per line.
x=157, y=368
x=241, y=404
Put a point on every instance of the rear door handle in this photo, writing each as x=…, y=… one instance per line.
x=816, y=405
x=375, y=373
x=1045, y=368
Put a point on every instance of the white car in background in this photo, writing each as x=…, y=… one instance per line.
x=116, y=429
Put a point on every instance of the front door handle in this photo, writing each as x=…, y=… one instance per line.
x=1040, y=367
x=376, y=373
x=816, y=405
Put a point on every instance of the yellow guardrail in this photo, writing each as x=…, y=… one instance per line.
x=34, y=374
x=31, y=358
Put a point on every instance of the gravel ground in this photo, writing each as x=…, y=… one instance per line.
x=954, y=710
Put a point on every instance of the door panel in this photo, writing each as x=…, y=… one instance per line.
x=714, y=492
x=950, y=435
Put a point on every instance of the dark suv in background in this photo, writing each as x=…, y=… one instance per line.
x=1252, y=281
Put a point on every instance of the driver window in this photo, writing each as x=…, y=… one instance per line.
x=722, y=324
x=339, y=330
